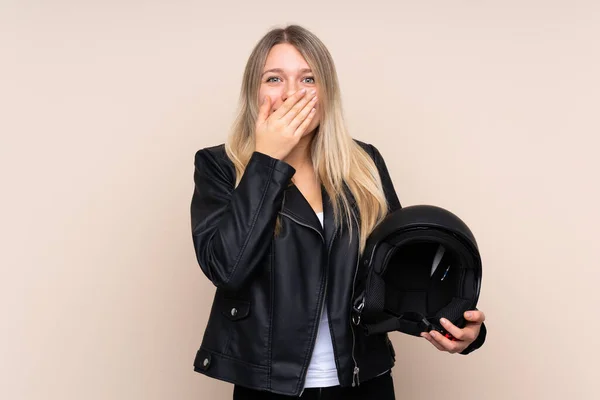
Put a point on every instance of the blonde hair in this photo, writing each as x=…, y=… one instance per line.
x=337, y=159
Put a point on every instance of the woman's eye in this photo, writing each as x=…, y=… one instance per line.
x=308, y=79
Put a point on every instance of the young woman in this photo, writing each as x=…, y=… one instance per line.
x=280, y=215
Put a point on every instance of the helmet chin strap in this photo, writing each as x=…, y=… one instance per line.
x=411, y=323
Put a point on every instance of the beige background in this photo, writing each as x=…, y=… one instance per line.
x=487, y=108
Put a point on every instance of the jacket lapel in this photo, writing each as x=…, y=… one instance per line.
x=296, y=206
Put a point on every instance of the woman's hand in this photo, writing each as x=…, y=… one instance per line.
x=462, y=337
x=278, y=133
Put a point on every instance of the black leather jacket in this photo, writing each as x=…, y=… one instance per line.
x=271, y=290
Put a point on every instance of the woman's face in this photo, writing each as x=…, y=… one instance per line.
x=284, y=73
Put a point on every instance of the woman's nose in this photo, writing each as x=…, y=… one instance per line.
x=289, y=90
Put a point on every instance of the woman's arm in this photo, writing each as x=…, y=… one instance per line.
x=232, y=227
x=394, y=204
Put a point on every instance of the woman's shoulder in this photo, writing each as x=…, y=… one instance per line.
x=216, y=152
x=362, y=144
x=213, y=160
x=213, y=155
x=371, y=150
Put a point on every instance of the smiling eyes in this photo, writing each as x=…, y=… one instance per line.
x=272, y=79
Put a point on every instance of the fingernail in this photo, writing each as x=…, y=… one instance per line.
x=444, y=321
x=432, y=333
x=302, y=91
x=469, y=314
x=313, y=91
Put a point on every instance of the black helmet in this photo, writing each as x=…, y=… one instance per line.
x=421, y=263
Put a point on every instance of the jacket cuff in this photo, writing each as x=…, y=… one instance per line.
x=278, y=165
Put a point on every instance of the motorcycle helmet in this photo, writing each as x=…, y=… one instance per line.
x=421, y=263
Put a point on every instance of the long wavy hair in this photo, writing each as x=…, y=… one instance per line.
x=337, y=159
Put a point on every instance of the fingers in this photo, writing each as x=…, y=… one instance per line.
x=304, y=125
x=306, y=112
x=263, y=111
x=447, y=344
x=459, y=334
x=474, y=316
x=433, y=342
x=298, y=107
x=289, y=104
x=464, y=337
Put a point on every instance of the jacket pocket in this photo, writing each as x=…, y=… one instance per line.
x=235, y=309
x=240, y=340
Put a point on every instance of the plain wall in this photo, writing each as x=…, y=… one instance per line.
x=487, y=108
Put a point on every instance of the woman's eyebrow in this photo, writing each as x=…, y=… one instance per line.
x=280, y=71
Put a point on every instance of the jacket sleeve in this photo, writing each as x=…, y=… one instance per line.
x=386, y=180
x=232, y=227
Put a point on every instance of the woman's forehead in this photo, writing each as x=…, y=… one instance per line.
x=285, y=58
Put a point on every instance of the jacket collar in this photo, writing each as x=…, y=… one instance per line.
x=296, y=206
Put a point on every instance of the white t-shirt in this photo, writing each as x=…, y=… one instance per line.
x=322, y=371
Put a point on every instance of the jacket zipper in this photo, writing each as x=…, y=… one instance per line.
x=355, y=376
x=326, y=276
x=325, y=287
x=303, y=224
